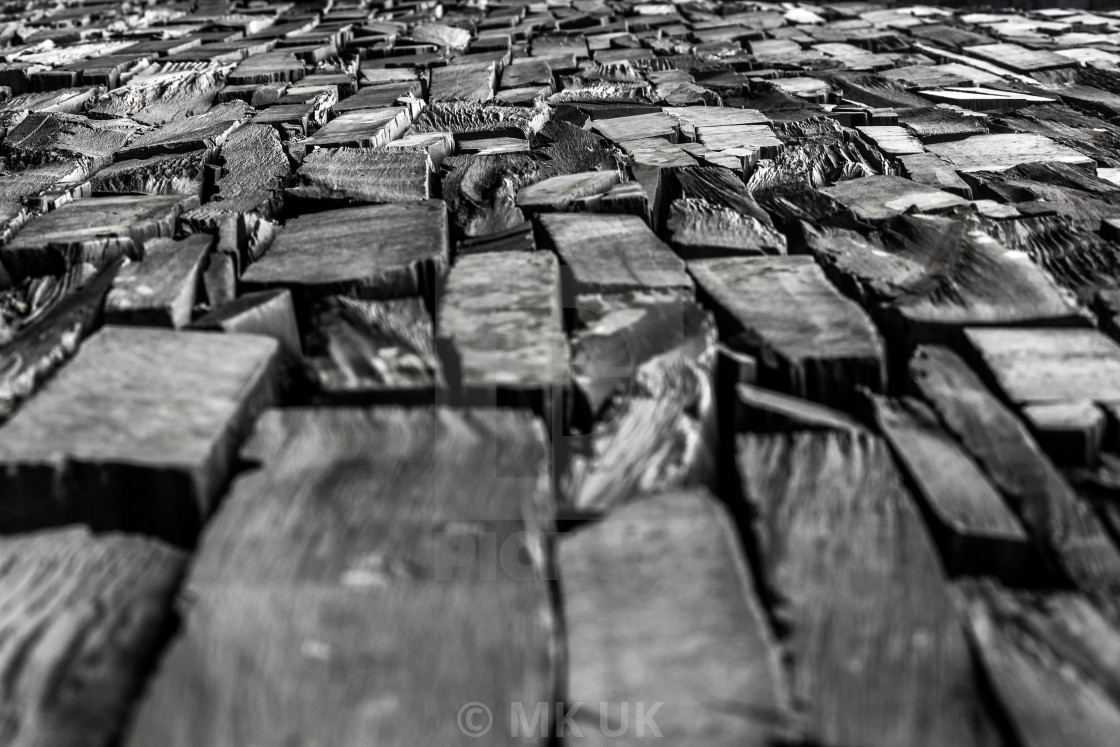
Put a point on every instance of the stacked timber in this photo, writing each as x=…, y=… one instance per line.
x=417, y=372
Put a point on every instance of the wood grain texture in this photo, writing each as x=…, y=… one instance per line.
x=330, y=607
x=374, y=351
x=85, y=616
x=810, y=340
x=138, y=432
x=976, y=530
x=356, y=175
x=375, y=251
x=160, y=290
x=97, y=231
x=878, y=655
x=45, y=340
x=499, y=322
x=1066, y=527
x=611, y=253
x=653, y=578
x=925, y=277
x=1052, y=661
x=644, y=372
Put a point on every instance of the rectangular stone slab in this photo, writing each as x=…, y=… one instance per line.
x=810, y=340
x=660, y=576
x=344, y=592
x=374, y=251
x=137, y=432
x=90, y=613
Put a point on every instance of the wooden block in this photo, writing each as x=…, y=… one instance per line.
x=810, y=340
x=441, y=34
x=370, y=252
x=174, y=173
x=1050, y=365
x=473, y=83
x=119, y=438
x=267, y=313
x=1075, y=539
x=43, y=137
x=193, y=133
x=374, y=352
x=438, y=146
x=759, y=409
x=1000, y=152
x=935, y=76
x=876, y=198
x=638, y=127
x=578, y=192
x=40, y=344
x=626, y=335
x=380, y=96
x=716, y=216
x=1017, y=58
x=930, y=170
x=465, y=119
x=161, y=94
x=860, y=593
x=362, y=128
x=977, y=532
x=355, y=175
x=901, y=276
x=500, y=327
x=1070, y=432
x=91, y=613
x=270, y=67
x=254, y=167
x=892, y=141
x=160, y=290
x=374, y=593
x=96, y=230
x=625, y=631
x=611, y=253
x=645, y=373
x=1051, y=660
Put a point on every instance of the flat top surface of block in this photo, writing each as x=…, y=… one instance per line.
x=139, y=395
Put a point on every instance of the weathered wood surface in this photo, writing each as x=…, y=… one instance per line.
x=977, y=531
x=374, y=351
x=925, y=277
x=500, y=324
x=160, y=290
x=105, y=441
x=660, y=227
x=376, y=251
x=97, y=231
x=1052, y=661
x=810, y=340
x=692, y=590
x=611, y=253
x=878, y=653
x=91, y=613
x=644, y=371
x=1067, y=528
x=357, y=175
x=331, y=607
